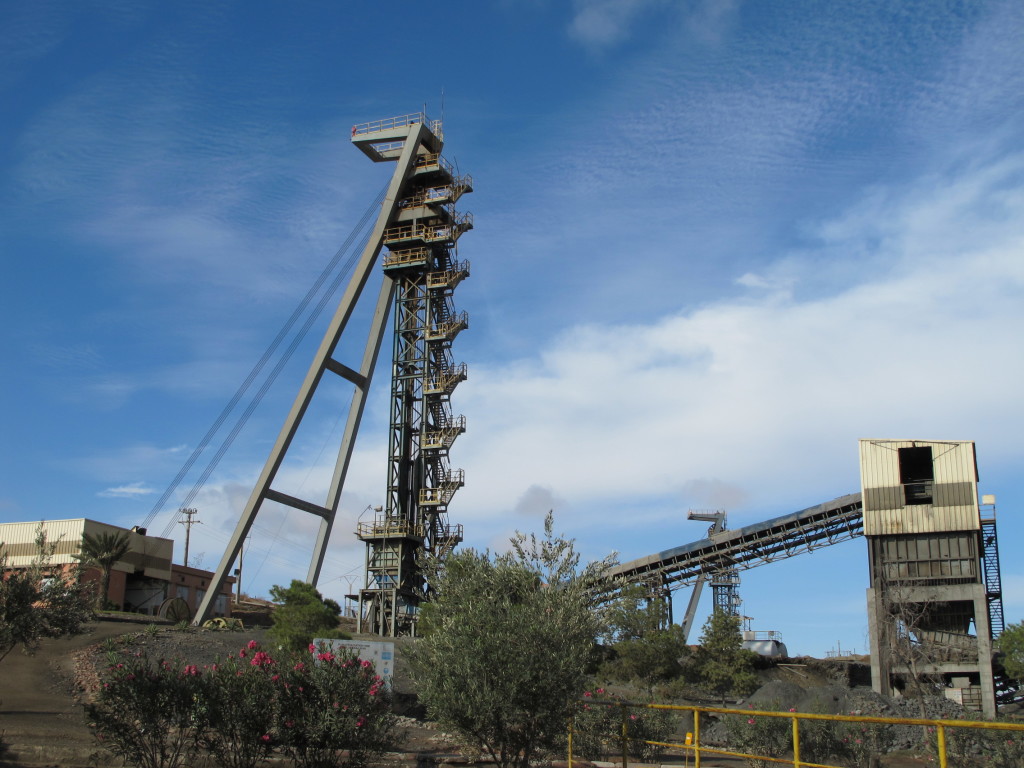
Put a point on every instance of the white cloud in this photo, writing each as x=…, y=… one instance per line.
x=606, y=22
x=771, y=393
x=130, y=491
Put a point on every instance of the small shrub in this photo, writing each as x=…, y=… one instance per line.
x=970, y=747
x=860, y=744
x=322, y=710
x=597, y=728
x=240, y=708
x=329, y=703
x=145, y=712
x=759, y=735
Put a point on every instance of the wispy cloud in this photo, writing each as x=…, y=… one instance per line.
x=130, y=491
x=752, y=403
x=601, y=23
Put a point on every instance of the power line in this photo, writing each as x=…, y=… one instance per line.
x=261, y=363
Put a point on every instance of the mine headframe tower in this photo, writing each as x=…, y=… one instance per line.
x=423, y=264
x=419, y=226
x=934, y=604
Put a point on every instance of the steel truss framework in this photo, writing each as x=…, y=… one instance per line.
x=418, y=224
x=742, y=548
x=425, y=269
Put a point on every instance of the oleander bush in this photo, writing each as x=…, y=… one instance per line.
x=319, y=708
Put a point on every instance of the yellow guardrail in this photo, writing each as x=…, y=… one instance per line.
x=693, y=747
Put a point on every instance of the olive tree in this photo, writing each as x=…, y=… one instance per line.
x=505, y=645
x=39, y=601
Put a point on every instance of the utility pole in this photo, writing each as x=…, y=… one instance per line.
x=188, y=522
x=238, y=572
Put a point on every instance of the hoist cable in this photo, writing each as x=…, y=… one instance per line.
x=261, y=364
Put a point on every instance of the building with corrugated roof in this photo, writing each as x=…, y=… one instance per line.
x=142, y=581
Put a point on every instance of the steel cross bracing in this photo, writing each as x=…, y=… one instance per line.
x=423, y=264
x=422, y=180
x=742, y=548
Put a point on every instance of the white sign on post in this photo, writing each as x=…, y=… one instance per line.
x=379, y=653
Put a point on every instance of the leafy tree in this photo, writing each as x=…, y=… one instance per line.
x=633, y=614
x=643, y=646
x=506, y=643
x=1011, y=645
x=103, y=550
x=303, y=614
x=656, y=657
x=720, y=663
x=36, y=604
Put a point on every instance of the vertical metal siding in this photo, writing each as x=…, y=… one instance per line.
x=21, y=537
x=955, y=500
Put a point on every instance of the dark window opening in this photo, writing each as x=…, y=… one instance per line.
x=917, y=475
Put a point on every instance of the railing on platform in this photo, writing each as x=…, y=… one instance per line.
x=941, y=732
x=390, y=123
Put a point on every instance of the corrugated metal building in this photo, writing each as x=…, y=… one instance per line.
x=927, y=602
x=140, y=581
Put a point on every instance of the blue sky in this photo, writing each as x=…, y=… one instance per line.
x=716, y=243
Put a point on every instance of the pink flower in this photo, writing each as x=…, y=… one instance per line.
x=632, y=717
x=364, y=664
x=588, y=694
x=275, y=678
x=265, y=737
x=299, y=666
x=360, y=721
x=792, y=709
x=312, y=648
x=336, y=705
x=261, y=659
x=750, y=721
x=242, y=654
x=252, y=645
x=600, y=690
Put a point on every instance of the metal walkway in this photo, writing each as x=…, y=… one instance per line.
x=741, y=548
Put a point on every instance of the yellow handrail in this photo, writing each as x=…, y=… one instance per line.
x=697, y=749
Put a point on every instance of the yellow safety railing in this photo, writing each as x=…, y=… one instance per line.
x=692, y=746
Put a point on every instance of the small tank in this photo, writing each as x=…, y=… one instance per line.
x=765, y=643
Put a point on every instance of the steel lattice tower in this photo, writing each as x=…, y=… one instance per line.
x=424, y=266
x=419, y=226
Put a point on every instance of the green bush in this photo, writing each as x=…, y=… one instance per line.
x=505, y=646
x=146, y=711
x=303, y=614
x=333, y=702
x=320, y=709
x=240, y=708
x=598, y=723
x=759, y=735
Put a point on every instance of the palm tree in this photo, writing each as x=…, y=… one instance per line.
x=103, y=550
